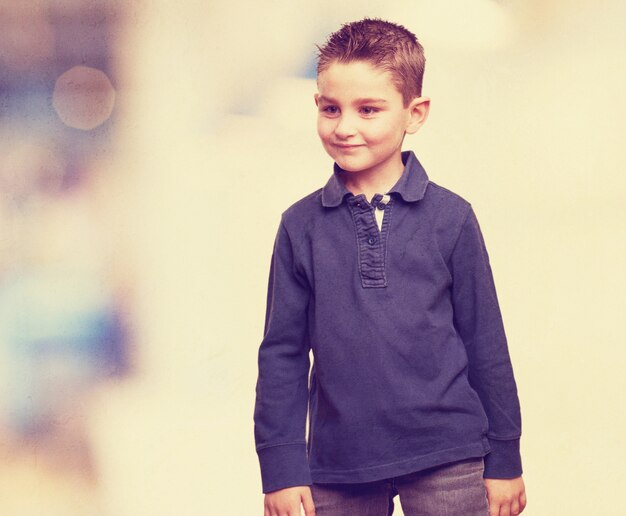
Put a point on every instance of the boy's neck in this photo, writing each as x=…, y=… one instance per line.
x=374, y=181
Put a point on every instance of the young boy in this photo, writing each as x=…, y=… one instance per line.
x=384, y=275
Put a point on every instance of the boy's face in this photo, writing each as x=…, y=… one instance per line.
x=361, y=116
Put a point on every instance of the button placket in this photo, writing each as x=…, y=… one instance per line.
x=370, y=242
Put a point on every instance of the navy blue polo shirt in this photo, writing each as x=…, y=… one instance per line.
x=410, y=361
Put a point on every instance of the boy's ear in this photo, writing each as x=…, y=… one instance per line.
x=418, y=111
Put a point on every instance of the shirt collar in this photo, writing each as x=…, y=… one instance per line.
x=411, y=185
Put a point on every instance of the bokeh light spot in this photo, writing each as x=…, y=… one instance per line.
x=83, y=97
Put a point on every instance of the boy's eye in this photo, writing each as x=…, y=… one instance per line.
x=369, y=110
x=330, y=110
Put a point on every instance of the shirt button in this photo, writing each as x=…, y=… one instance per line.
x=359, y=205
x=381, y=205
x=371, y=240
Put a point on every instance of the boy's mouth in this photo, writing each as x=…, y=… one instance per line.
x=347, y=145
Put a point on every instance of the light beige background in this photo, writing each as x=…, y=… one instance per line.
x=218, y=137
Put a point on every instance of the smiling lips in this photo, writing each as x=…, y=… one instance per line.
x=347, y=146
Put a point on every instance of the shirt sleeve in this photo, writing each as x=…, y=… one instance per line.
x=282, y=385
x=478, y=320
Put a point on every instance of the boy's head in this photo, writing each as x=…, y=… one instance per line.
x=385, y=45
x=369, y=84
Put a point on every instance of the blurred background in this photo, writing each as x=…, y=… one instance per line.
x=147, y=150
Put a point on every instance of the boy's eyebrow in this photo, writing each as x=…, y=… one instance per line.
x=367, y=100
x=370, y=101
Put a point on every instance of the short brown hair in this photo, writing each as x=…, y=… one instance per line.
x=384, y=45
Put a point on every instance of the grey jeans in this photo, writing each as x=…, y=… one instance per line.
x=454, y=489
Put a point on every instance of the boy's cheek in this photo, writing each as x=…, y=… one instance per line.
x=324, y=130
x=322, y=122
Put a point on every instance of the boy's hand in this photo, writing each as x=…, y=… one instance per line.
x=507, y=497
x=286, y=502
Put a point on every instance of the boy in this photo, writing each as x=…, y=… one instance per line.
x=384, y=276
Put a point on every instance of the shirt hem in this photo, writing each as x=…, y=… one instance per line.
x=394, y=469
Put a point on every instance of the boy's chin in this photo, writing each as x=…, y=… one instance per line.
x=350, y=166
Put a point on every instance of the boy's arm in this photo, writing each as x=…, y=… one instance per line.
x=479, y=322
x=282, y=384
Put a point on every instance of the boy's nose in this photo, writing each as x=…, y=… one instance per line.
x=345, y=127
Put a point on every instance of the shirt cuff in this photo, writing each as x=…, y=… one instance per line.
x=284, y=465
x=504, y=460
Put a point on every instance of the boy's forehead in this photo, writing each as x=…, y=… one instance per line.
x=356, y=78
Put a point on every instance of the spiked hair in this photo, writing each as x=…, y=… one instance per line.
x=385, y=45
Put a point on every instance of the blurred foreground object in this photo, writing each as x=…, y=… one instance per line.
x=62, y=315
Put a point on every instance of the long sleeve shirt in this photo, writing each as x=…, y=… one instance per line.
x=411, y=367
